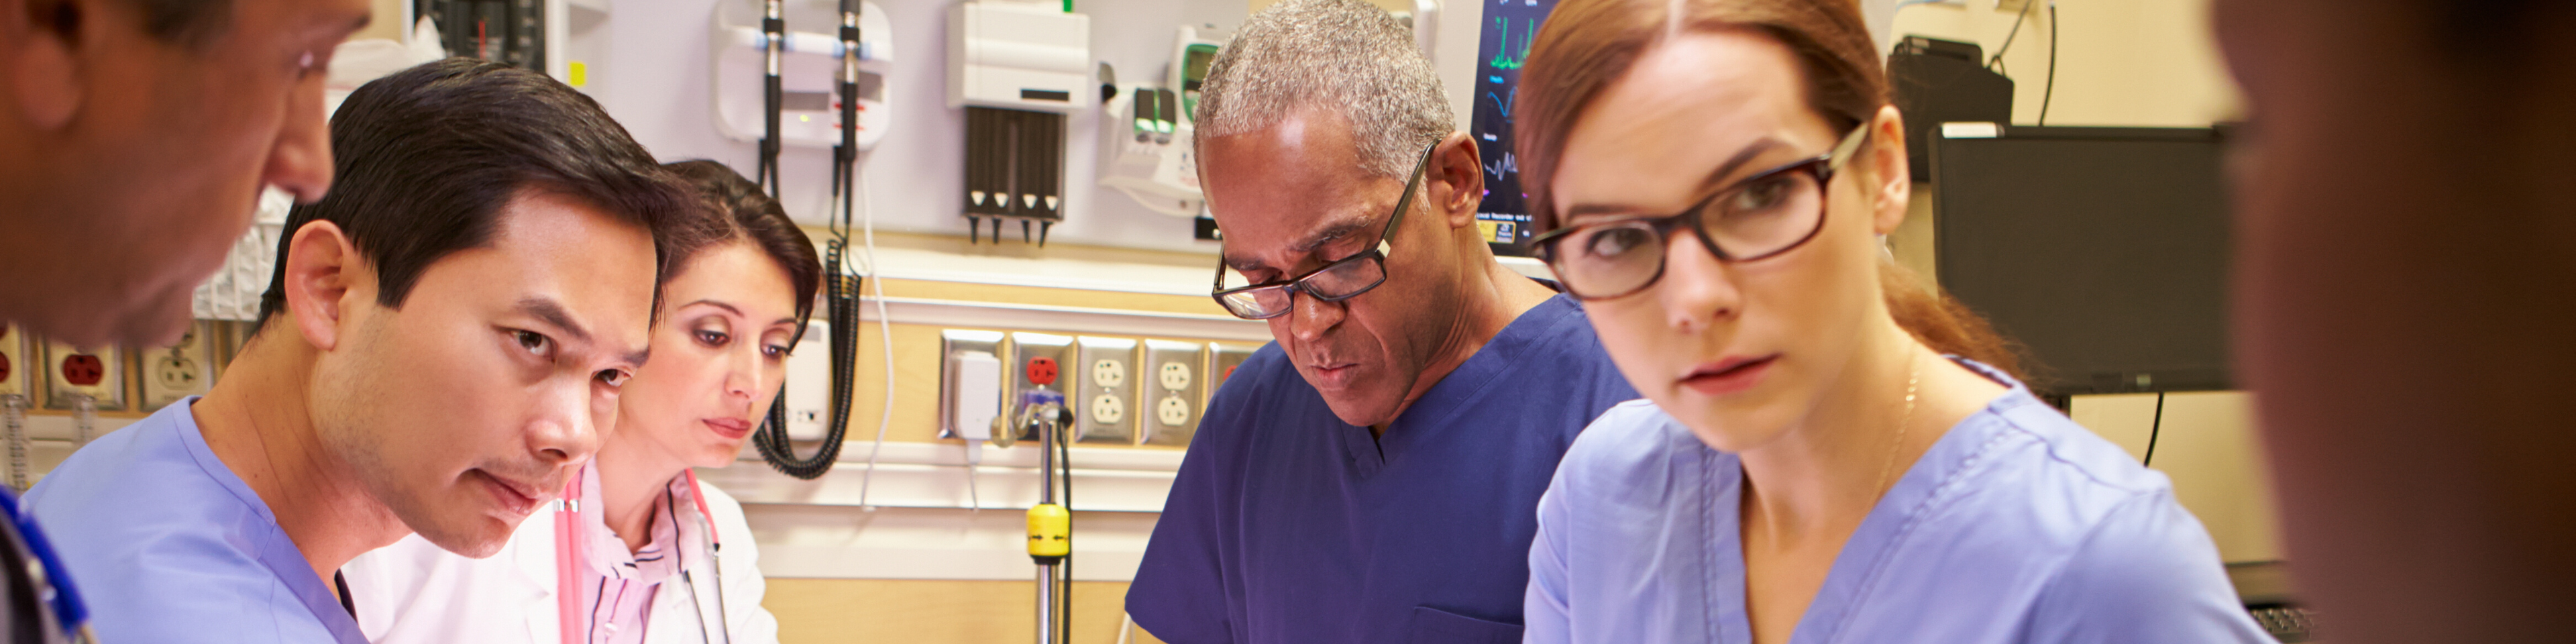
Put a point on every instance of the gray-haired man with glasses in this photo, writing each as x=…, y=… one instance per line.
x=1373, y=475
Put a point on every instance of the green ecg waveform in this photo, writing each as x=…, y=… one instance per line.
x=1508, y=56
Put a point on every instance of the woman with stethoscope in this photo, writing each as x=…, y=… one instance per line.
x=642, y=552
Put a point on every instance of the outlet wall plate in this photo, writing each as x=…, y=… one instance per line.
x=99, y=373
x=1176, y=394
x=808, y=385
x=165, y=375
x=1037, y=361
x=1223, y=357
x=15, y=366
x=953, y=342
x=1104, y=390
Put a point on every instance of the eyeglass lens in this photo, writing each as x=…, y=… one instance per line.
x=1343, y=279
x=1761, y=217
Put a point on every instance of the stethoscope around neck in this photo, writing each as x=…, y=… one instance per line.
x=573, y=623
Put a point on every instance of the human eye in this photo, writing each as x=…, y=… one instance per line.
x=711, y=338
x=1614, y=240
x=536, y=344
x=614, y=378
x=1762, y=195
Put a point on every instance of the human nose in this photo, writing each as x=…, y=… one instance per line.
x=749, y=376
x=1696, y=289
x=299, y=161
x=567, y=427
x=1309, y=316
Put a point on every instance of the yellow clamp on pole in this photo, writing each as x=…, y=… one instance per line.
x=1050, y=531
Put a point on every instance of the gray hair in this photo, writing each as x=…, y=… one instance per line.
x=1346, y=56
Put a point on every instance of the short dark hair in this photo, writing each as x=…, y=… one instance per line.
x=426, y=159
x=740, y=211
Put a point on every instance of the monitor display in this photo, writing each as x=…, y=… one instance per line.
x=2104, y=251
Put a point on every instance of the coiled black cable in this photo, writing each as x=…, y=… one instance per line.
x=841, y=288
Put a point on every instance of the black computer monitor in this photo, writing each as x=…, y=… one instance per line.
x=2103, y=250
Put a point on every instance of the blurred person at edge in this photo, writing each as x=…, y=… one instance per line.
x=440, y=348
x=2405, y=277
x=135, y=136
x=1829, y=450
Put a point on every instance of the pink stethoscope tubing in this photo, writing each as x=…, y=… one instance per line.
x=568, y=531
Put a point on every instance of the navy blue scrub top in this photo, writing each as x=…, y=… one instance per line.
x=1288, y=526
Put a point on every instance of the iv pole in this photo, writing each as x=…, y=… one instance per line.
x=1050, y=525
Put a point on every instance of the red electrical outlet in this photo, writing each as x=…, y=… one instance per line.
x=83, y=370
x=1042, y=371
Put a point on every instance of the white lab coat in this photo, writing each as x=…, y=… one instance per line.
x=415, y=592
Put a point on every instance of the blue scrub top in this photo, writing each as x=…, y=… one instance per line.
x=1287, y=526
x=2017, y=526
x=167, y=545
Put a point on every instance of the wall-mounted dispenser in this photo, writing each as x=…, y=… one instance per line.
x=1016, y=68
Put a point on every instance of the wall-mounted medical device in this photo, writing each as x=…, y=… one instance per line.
x=808, y=68
x=1145, y=150
x=510, y=31
x=1016, y=68
x=1192, y=54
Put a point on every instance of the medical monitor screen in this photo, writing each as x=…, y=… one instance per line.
x=2104, y=251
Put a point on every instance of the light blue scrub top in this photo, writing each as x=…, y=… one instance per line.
x=167, y=545
x=2017, y=526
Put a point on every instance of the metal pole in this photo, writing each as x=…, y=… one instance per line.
x=1046, y=427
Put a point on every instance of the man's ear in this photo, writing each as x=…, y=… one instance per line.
x=44, y=77
x=322, y=275
x=1892, y=179
x=1456, y=179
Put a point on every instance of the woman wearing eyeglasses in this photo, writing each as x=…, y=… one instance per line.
x=1829, y=450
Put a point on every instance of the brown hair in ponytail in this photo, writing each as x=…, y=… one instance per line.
x=1586, y=45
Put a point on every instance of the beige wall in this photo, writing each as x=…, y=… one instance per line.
x=821, y=611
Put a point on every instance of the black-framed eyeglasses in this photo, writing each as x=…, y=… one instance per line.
x=1342, y=279
x=1761, y=216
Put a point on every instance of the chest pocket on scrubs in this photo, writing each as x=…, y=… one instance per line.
x=1434, y=626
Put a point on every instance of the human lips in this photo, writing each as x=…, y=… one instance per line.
x=729, y=428
x=1333, y=374
x=514, y=496
x=1729, y=375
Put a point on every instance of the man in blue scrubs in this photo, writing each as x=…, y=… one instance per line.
x=443, y=339
x=1373, y=475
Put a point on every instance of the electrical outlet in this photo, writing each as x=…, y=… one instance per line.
x=1104, y=393
x=1173, y=411
x=13, y=380
x=1036, y=364
x=173, y=373
x=98, y=373
x=1108, y=409
x=1108, y=373
x=1177, y=392
x=1223, y=358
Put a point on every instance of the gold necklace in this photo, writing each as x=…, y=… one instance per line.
x=1913, y=372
